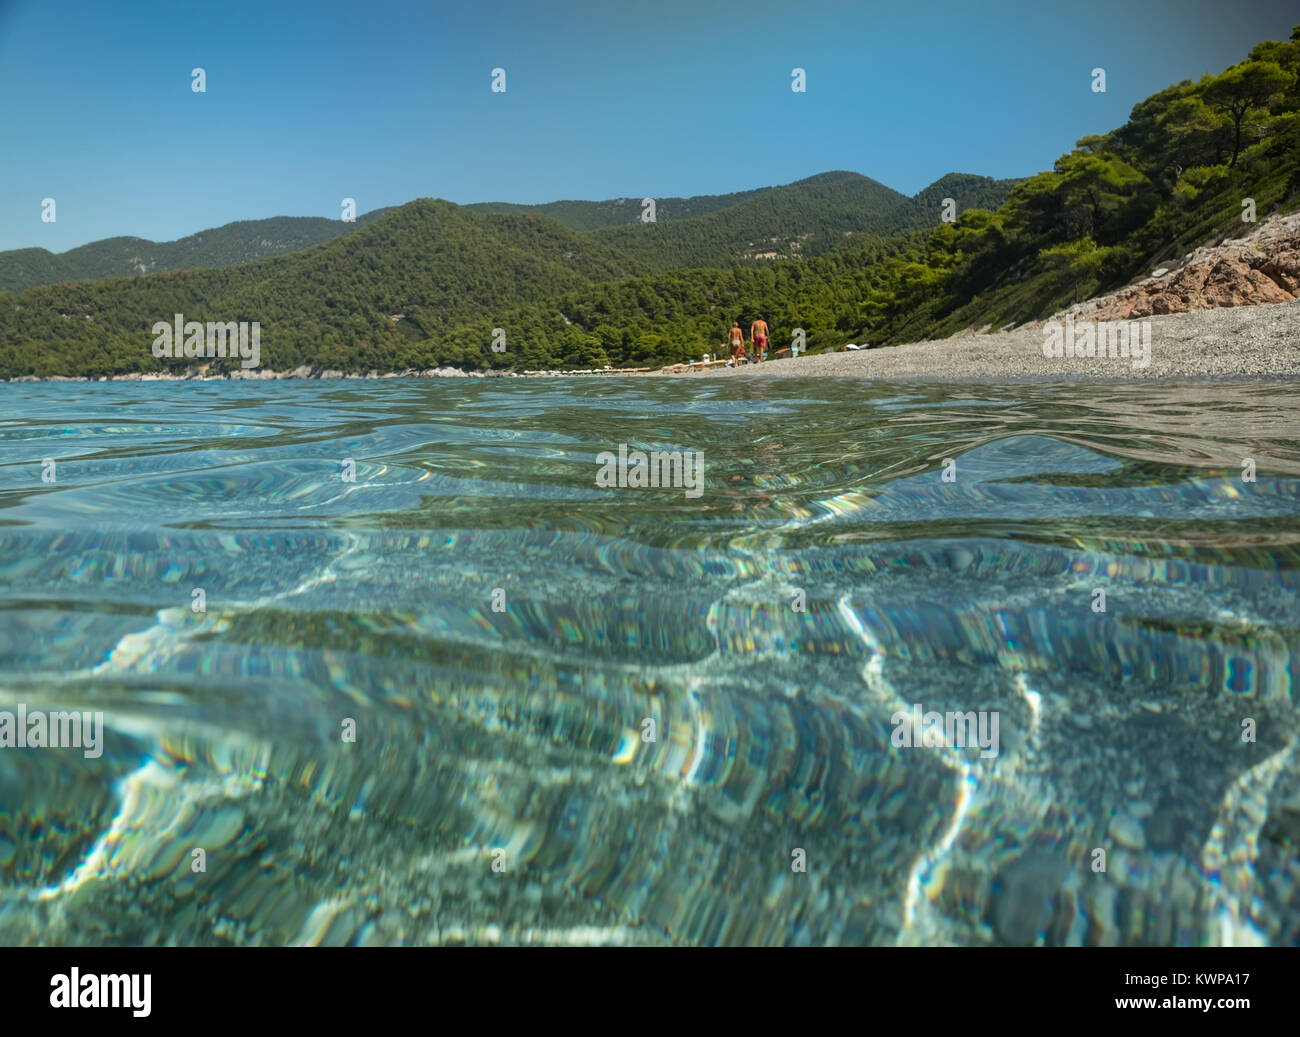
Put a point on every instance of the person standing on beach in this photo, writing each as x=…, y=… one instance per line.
x=758, y=334
x=736, y=342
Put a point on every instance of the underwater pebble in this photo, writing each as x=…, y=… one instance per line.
x=219, y=828
x=1163, y=830
x=319, y=922
x=960, y=558
x=1127, y=831
x=1027, y=889
x=165, y=860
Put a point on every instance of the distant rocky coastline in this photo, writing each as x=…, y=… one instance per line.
x=266, y=375
x=306, y=372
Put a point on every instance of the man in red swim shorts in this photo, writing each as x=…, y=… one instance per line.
x=758, y=333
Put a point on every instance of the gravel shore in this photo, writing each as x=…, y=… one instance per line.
x=1239, y=341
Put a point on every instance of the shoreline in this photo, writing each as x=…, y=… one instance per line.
x=1259, y=341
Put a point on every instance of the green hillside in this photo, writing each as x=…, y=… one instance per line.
x=799, y=220
x=679, y=315
x=966, y=189
x=803, y=223
x=787, y=216
x=1173, y=177
x=805, y=218
x=230, y=245
x=383, y=296
x=423, y=284
x=620, y=211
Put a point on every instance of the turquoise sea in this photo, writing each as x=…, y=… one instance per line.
x=468, y=695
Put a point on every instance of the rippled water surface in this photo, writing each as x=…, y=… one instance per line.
x=501, y=785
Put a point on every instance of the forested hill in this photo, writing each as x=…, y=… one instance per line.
x=805, y=218
x=229, y=245
x=423, y=285
x=799, y=199
x=387, y=292
x=966, y=189
x=796, y=221
x=801, y=220
x=615, y=212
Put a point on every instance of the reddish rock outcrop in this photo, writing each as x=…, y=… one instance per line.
x=1262, y=267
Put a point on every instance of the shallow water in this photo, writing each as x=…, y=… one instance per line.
x=500, y=786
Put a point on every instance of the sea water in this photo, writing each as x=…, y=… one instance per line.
x=385, y=661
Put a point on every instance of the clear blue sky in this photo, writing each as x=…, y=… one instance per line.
x=311, y=101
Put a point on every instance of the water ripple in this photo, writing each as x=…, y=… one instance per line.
x=621, y=716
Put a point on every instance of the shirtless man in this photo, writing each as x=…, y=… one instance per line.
x=736, y=343
x=758, y=333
